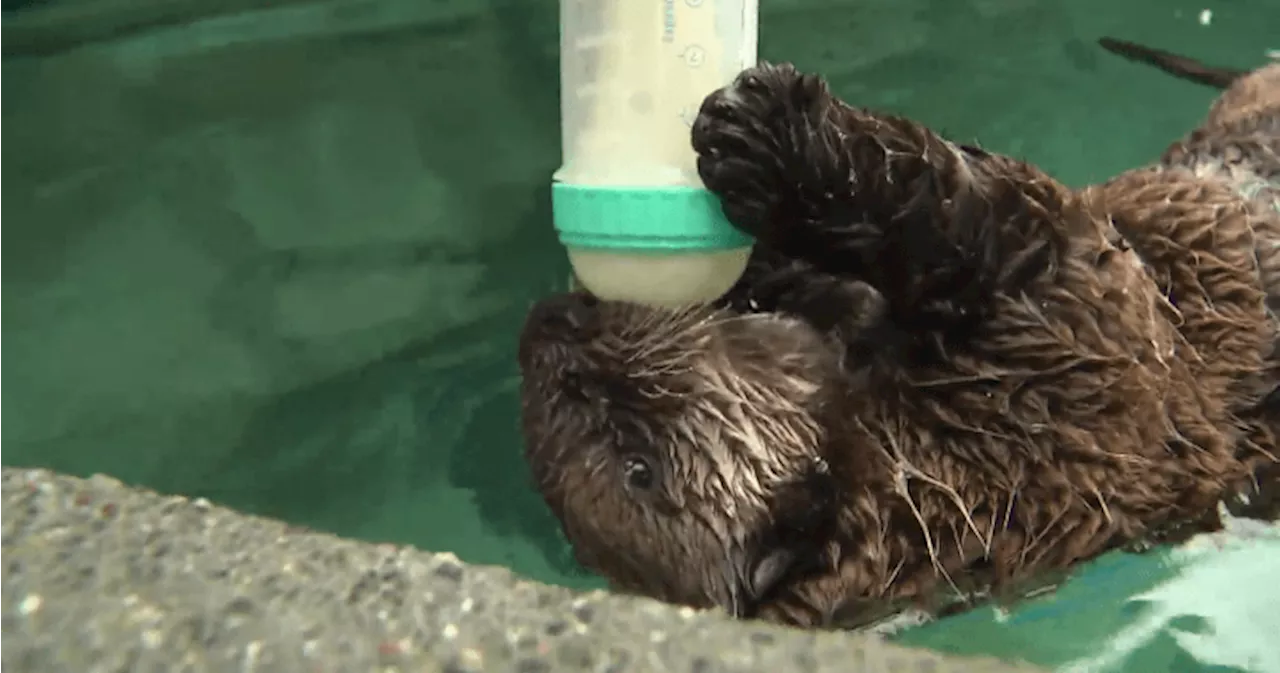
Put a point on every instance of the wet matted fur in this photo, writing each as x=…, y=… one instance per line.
x=943, y=370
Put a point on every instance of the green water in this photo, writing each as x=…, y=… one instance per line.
x=278, y=257
x=1208, y=605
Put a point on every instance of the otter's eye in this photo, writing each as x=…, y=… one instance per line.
x=638, y=473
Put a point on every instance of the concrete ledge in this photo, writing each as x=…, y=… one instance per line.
x=99, y=576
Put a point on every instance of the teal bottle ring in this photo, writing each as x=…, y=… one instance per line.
x=659, y=219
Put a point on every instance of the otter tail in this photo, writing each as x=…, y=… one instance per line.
x=1178, y=66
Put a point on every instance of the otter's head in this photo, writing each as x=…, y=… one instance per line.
x=681, y=449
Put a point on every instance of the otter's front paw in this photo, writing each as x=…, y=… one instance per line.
x=754, y=140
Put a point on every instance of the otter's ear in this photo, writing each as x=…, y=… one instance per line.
x=768, y=571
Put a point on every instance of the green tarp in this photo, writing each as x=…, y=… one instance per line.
x=276, y=254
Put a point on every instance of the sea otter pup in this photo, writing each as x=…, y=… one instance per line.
x=943, y=371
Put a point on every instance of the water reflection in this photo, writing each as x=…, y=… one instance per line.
x=1208, y=605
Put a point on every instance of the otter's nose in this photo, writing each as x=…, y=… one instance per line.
x=566, y=316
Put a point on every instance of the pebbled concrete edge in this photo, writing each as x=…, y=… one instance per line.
x=99, y=576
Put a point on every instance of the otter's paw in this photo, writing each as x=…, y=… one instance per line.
x=754, y=142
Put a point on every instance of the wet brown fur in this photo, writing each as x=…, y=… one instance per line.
x=942, y=372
